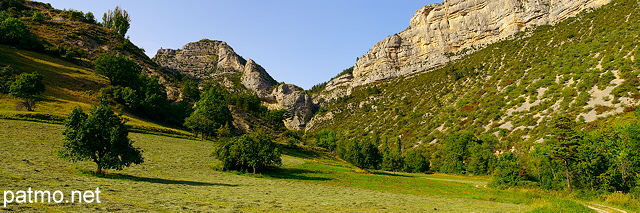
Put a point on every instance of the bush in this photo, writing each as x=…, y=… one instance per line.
x=253, y=151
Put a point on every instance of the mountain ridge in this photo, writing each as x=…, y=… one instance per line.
x=215, y=61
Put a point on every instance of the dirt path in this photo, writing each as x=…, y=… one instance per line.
x=603, y=209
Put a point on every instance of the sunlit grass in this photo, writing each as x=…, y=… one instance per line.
x=177, y=176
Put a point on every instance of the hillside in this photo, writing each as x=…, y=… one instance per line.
x=585, y=67
x=443, y=32
x=61, y=47
x=70, y=35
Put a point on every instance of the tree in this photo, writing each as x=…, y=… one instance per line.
x=414, y=161
x=392, y=156
x=118, y=20
x=210, y=114
x=190, y=91
x=364, y=155
x=119, y=69
x=481, y=159
x=508, y=171
x=563, y=144
x=326, y=138
x=101, y=136
x=27, y=87
x=91, y=19
x=456, y=152
x=13, y=31
x=255, y=151
x=7, y=76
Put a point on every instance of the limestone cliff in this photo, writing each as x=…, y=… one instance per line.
x=201, y=60
x=439, y=33
x=217, y=61
x=296, y=101
x=256, y=78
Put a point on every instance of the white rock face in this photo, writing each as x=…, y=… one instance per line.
x=438, y=33
x=201, y=60
x=255, y=78
x=207, y=59
x=295, y=100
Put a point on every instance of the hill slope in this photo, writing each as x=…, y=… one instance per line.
x=442, y=32
x=586, y=67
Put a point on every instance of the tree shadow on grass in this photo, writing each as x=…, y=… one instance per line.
x=294, y=174
x=389, y=174
x=157, y=180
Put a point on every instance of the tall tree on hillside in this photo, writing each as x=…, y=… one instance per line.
x=27, y=87
x=118, y=20
x=101, y=137
x=211, y=113
x=190, y=91
x=563, y=144
x=119, y=69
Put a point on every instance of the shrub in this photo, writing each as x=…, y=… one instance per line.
x=253, y=151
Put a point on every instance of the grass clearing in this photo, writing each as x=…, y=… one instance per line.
x=177, y=176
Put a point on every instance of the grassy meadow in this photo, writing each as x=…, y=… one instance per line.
x=179, y=175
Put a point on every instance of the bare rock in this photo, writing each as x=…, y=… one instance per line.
x=256, y=79
x=295, y=100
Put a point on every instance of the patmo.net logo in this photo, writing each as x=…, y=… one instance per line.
x=46, y=196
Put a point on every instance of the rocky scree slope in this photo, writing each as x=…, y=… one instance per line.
x=586, y=67
x=208, y=60
x=442, y=32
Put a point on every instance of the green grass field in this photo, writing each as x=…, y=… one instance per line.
x=179, y=175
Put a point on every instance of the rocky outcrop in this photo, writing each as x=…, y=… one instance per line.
x=295, y=100
x=439, y=33
x=216, y=60
x=201, y=60
x=256, y=79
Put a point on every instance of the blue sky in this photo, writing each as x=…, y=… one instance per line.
x=303, y=42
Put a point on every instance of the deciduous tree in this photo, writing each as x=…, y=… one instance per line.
x=117, y=19
x=101, y=136
x=27, y=87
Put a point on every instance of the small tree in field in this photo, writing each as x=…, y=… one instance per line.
x=101, y=137
x=253, y=151
x=27, y=87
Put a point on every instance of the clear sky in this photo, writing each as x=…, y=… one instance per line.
x=303, y=42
